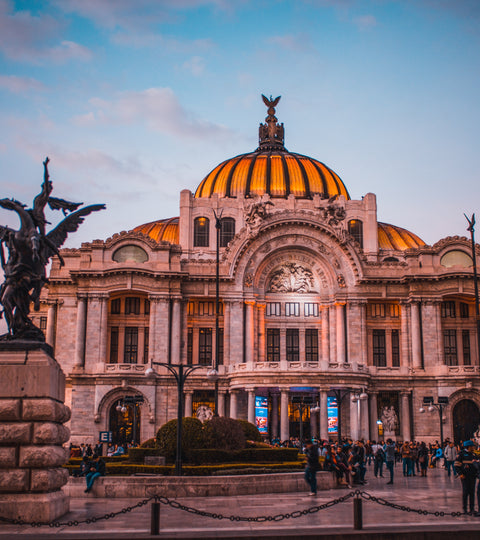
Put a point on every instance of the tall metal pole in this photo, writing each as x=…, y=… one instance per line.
x=178, y=458
x=471, y=229
x=218, y=226
x=440, y=412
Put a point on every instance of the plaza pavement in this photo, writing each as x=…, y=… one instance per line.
x=437, y=492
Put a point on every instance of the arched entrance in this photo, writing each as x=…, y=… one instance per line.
x=466, y=419
x=125, y=422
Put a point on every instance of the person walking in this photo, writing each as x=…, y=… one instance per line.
x=406, y=459
x=390, y=458
x=312, y=466
x=450, y=454
x=467, y=471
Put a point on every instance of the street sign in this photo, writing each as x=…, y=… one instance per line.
x=105, y=436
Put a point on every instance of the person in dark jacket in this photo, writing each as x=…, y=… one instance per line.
x=312, y=466
x=465, y=467
x=97, y=468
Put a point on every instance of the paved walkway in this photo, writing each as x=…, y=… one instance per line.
x=437, y=492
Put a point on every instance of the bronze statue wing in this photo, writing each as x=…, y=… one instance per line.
x=62, y=204
x=270, y=102
x=70, y=224
x=266, y=100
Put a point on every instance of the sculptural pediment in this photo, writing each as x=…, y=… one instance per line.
x=291, y=277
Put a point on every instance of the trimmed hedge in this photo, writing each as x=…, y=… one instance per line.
x=137, y=455
x=250, y=431
x=249, y=455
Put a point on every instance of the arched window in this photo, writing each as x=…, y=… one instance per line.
x=227, y=231
x=355, y=228
x=201, y=228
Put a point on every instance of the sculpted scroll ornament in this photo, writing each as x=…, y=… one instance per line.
x=292, y=277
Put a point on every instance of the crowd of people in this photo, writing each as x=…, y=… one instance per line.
x=349, y=461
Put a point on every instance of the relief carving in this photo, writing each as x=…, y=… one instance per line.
x=292, y=277
x=254, y=213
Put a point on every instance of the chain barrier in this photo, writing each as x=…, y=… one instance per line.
x=250, y=519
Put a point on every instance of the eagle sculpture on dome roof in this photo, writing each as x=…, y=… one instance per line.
x=271, y=102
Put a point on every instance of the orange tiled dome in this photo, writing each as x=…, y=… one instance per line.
x=393, y=237
x=162, y=230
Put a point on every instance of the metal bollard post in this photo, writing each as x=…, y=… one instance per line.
x=357, y=513
x=155, y=519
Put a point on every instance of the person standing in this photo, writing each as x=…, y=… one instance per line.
x=423, y=458
x=450, y=454
x=466, y=469
x=390, y=458
x=312, y=466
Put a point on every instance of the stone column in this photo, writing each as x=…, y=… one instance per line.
x=251, y=405
x=261, y=332
x=416, y=336
x=233, y=404
x=440, y=349
x=221, y=403
x=32, y=413
x=50, y=330
x=284, y=423
x=274, y=417
x=405, y=407
x=176, y=332
x=404, y=345
x=226, y=333
x=80, y=332
x=159, y=315
x=373, y=415
x=364, y=420
x=314, y=423
x=323, y=414
x=188, y=403
x=340, y=333
x=103, y=331
x=325, y=336
x=354, y=418
x=363, y=330
x=249, y=331
x=183, y=330
x=236, y=332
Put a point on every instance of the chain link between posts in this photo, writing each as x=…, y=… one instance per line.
x=234, y=518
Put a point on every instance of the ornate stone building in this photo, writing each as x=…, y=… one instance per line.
x=318, y=303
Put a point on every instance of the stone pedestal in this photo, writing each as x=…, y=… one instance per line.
x=32, y=413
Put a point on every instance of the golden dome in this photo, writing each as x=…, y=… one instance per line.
x=272, y=170
x=165, y=230
x=393, y=237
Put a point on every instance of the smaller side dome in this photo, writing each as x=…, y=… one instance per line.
x=393, y=237
x=163, y=230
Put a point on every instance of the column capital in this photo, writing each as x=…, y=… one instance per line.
x=249, y=302
x=157, y=298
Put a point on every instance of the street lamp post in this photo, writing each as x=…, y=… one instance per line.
x=440, y=406
x=471, y=229
x=180, y=372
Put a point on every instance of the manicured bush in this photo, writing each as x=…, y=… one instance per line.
x=192, y=437
x=137, y=455
x=246, y=455
x=149, y=443
x=224, y=433
x=250, y=431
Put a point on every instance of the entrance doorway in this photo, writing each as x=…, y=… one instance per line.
x=125, y=422
x=466, y=420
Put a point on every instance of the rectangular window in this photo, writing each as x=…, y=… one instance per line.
x=43, y=323
x=132, y=305
x=205, y=346
x=206, y=308
x=190, y=345
x=273, y=309
x=293, y=348
x=395, y=349
x=394, y=310
x=191, y=308
x=467, y=361
x=450, y=347
x=146, y=306
x=379, y=350
x=377, y=310
x=130, y=353
x=273, y=344
x=115, y=306
x=464, y=310
x=146, y=337
x=448, y=309
x=311, y=310
x=292, y=309
x=114, y=345
x=311, y=345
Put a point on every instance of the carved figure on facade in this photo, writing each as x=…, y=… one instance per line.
x=29, y=251
x=255, y=212
x=389, y=418
x=333, y=213
x=204, y=413
x=248, y=280
x=292, y=277
x=341, y=281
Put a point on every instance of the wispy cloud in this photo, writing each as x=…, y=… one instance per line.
x=35, y=38
x=16, y=84
x=156, y=108
x=365, y=22
x=294, y=43
x=195, y=65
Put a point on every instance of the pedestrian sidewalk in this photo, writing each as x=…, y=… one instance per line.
x=292, y=514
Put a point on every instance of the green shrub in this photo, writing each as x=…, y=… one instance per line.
x=224, y=433
x=149, y=443
x=137, y=455
x=192, y=437
x=250, y=431
x=246, y=455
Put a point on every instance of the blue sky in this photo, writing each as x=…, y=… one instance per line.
x=135, y=100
